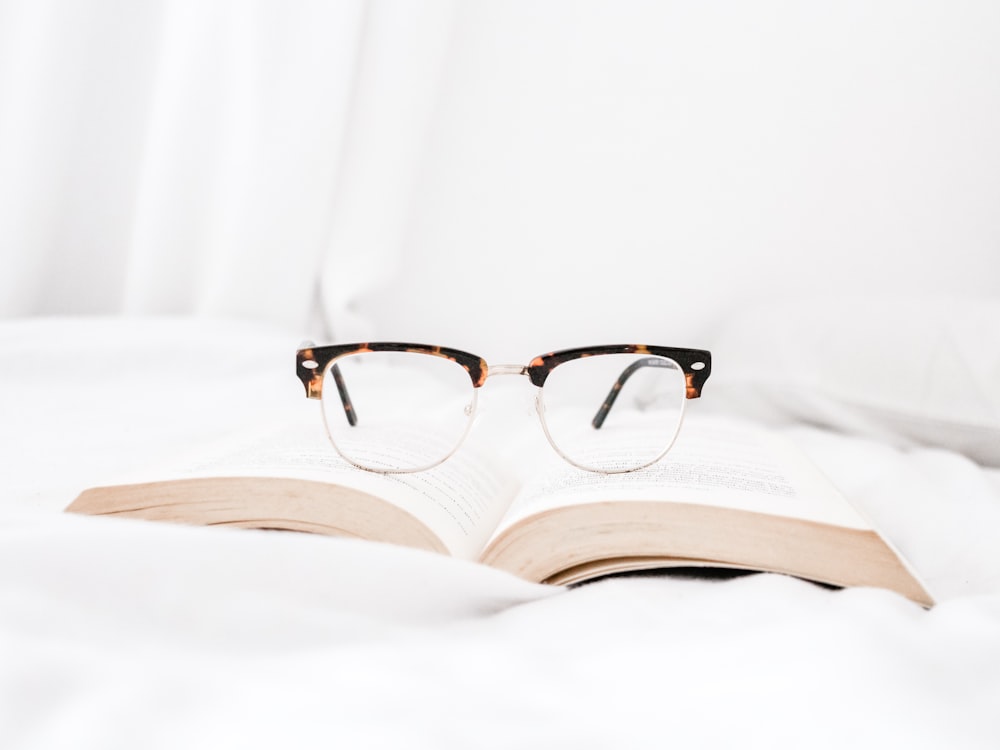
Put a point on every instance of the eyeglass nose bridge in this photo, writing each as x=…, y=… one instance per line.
x=506, y=370
x=526, y=371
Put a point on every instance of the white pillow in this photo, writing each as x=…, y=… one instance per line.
x=912, y=372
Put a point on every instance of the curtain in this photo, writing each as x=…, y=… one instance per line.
x=187, y=157
x=494, y=173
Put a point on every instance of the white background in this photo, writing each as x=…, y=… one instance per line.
x=502, y=177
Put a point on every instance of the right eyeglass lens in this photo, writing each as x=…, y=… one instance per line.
x=614, y=412
x=412, y=410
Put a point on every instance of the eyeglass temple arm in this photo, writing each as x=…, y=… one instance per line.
x=338, y=378
x=345, y=397
x=609, y=400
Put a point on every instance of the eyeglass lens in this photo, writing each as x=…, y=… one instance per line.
x=613, y=412
x=410, y=410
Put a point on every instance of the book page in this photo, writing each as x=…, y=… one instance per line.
x=461, y=500
x=714, y=462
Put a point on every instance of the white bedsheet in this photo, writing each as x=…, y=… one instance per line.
x=131, y=634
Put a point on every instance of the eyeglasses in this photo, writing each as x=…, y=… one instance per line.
x=401, y=408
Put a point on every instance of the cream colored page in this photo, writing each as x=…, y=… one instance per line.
x=714, y=462
x=461, y=500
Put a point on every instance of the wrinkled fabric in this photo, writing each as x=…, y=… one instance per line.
x=119, y=633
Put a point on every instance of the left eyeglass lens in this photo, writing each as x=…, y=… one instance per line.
x=412, y=410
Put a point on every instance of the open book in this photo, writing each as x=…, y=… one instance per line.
x=728, y=495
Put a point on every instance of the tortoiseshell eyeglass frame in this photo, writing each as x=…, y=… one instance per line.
x=312, y=362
